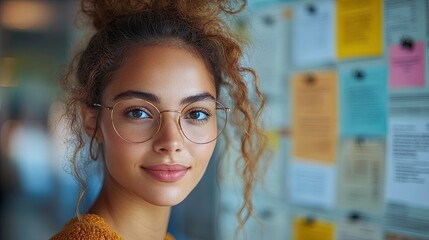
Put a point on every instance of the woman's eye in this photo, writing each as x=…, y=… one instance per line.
x=197, y=115
x=137, y=114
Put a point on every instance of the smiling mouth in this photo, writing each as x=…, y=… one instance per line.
x=168, y=173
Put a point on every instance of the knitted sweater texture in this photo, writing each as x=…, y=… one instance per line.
x=91, y=227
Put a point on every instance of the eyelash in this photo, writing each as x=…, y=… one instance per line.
x=206, y=112
x=133, y=108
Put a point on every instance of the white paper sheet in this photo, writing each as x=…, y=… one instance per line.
x=405, y=18
x=313, y=33
x=408, y=161
x=312, y=184
x=268, y=55
x=408, y=218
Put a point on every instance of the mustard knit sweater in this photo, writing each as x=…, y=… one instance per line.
x=91, y=227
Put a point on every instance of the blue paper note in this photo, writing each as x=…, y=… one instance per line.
x=363, y=100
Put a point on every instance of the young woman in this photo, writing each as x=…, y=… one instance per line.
x=148, y=92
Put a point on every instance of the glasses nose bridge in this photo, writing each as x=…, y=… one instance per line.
x=177, y=120
x=170, y=111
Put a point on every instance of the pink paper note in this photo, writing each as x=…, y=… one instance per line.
x=407, y=66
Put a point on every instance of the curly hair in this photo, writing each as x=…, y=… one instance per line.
x=197, y=26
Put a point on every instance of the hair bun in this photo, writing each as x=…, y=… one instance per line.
x=103, y=12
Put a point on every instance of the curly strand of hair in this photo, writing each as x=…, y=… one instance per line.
x=253, y=147
x=247, y=162
x=230, y=7
x=80, y=180
x=78, y=144
x=253, y=140
x=71, y=103
x=104, y=12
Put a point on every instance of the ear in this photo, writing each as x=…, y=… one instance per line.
x=89, y=122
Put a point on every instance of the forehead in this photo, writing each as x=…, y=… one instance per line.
x=169, y=72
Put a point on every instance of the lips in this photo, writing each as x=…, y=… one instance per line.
x=166, y=172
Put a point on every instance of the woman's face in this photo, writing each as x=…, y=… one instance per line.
x=163, y=170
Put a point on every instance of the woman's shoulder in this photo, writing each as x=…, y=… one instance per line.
x=89, y=227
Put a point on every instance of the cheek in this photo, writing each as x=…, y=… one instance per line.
x=202, y=155
x=116, y=150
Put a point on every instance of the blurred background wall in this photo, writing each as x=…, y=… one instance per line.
x=347, y=90
x=35, y=43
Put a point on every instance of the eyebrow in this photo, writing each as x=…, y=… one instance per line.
x=150, y=97
x=198, y=97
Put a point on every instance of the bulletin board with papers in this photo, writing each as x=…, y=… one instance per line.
x=347, y=90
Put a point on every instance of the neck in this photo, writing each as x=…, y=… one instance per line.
x=130, y=216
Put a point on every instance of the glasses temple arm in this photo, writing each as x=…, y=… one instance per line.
x=99, y=105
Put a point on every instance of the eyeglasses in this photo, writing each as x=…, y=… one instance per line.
x=137, y=120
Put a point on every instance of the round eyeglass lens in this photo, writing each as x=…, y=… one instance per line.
x=203, y=121
x=135, y=120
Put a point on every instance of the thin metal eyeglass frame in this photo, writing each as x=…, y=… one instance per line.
x=160, y=119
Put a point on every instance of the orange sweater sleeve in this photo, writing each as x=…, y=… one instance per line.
x=90, y=227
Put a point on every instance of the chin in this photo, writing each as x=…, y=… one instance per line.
x=168, y=198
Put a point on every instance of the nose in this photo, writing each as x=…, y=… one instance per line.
x=169, y=139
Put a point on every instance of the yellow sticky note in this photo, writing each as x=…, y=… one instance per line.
x=359, y=28
x=304, y=229
x=314, y=116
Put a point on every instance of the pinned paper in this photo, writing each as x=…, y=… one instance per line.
x=409, y=218
x=406, y=102
x=363, y=102
x=361, y=174
x=359, y=28
x=407, y=64
x=313, y=33
x=408, y=162
x=312, y=184
x=270, y=39
x=356, y=230
x=405, y=18
x=314, y=116
x=312, y=229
